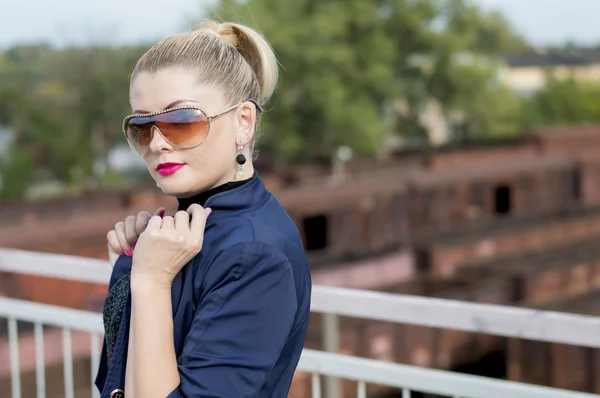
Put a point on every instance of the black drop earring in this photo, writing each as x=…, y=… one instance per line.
x=240, y=159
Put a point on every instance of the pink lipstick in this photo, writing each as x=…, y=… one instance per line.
x=166, y=169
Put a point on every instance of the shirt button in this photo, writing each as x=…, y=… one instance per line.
x=118, y=393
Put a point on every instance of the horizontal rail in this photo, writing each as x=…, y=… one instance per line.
x=51, y=315
x=55, y=265
x=65, y=318
x=424, y=380
x=497, y=320
x=556, y=327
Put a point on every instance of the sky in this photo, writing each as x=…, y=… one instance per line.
x=67, y=22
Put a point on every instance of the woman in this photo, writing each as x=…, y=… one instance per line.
x=213, y=301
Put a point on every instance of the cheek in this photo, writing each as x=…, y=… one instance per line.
x=207, y=155
x=221, y=142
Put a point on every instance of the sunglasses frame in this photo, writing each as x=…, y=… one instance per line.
x=208, y=118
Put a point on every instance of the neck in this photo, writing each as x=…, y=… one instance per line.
x=230, y=178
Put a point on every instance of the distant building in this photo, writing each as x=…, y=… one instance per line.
x=528, y=73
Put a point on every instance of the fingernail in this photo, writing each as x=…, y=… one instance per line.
x=208, y=210
x=122, y=253
x=133, y=246
x=161, y=214
x=129, y=252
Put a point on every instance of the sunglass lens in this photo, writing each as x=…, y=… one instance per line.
x=184, y=128
x=139, y=134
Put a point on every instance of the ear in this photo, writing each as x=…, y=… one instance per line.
x=246, y=120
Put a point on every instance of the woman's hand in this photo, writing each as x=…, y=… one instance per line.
x=167, y=245
x=124, y=237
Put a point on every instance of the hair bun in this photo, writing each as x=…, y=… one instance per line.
x=253, y=47
x=225, y=31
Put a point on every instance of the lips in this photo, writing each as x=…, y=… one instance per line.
x=166, y=169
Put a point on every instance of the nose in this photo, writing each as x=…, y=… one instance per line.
x=158, y=142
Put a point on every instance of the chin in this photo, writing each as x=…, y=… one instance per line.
x=173, y=189
x=180, y=187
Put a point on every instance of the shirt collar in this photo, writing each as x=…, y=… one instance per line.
x=236, y=196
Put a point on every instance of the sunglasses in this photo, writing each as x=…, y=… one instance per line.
x=183, y=127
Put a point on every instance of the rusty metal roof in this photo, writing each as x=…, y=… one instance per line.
x=565, y=133
x=335, y=195
x=489, y=170
x=587, y=303
x=533, y=262
x=478, y=230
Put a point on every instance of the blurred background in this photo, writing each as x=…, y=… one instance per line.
x=440, y=148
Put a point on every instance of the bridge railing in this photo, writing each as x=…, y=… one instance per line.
x=332, y=302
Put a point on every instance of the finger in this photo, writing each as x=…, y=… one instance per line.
x=154, y=223
x=141, y=222
x=130, y=231
x=113, y=242
x=199, y=216
x=168, y=222
x=182, y=220
x=120, y=230
x=160, y=212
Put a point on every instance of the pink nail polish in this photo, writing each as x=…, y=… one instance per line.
x=122, y=253
x=161, y=214
x=129, y=252
x=133, y=246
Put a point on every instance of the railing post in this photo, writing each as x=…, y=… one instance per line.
x=15, y=372
x=331, y=343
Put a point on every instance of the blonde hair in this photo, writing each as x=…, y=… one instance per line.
x=231, y=56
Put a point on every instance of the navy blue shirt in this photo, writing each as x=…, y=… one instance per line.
x=240, y=307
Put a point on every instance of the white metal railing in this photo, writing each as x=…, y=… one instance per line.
x=41, y=315
x=548, y=326
x=333, y=302
x=412, y=378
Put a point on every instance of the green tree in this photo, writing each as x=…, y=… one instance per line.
x=16, y=173
x=564, y=102
x=346, y=62
x=65, y=107
x=337, y=67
